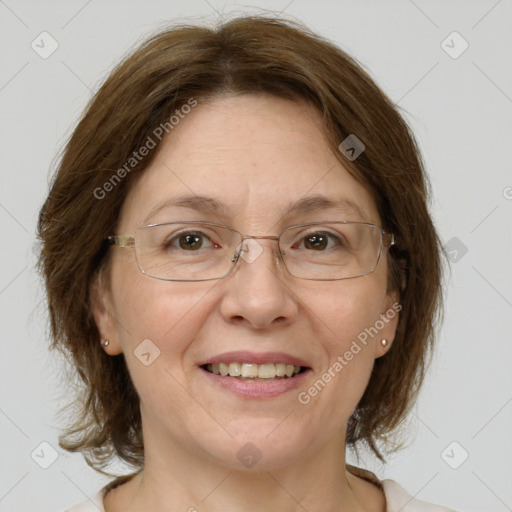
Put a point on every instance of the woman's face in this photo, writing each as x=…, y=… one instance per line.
x=256, y=156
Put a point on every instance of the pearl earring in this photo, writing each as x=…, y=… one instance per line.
x=105, y=343
x=384, y=342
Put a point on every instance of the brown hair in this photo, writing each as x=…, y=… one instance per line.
x=245, y=55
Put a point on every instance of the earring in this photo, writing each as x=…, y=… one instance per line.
x=384, y=342
x=105, y=343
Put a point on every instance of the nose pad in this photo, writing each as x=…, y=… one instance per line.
x=249, y=250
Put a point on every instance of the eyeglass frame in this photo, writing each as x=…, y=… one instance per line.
x=128, y=241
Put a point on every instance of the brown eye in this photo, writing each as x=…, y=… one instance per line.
x=316, y=241
x=190, y=242
x=319, y=241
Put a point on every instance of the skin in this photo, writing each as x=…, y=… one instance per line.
x=256, y=154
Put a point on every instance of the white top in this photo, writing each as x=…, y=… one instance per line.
x=397, y=500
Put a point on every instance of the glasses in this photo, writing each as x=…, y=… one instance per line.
x=203, y=251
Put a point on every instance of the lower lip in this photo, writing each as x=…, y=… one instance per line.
x=257, y=388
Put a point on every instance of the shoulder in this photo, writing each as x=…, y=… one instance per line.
x=94, y=504
x=399, y=500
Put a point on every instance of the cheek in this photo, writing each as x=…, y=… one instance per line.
x=345, y=327
x=347, y=312
x=169, y=314
x=158, y=324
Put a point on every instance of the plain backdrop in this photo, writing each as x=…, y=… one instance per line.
x=458, y=101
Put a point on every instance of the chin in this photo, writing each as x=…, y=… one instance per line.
x=260, y=446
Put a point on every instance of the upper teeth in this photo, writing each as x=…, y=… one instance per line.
x=251, y=370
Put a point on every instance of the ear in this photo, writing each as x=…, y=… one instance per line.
x=388, y=321
x=101, y=309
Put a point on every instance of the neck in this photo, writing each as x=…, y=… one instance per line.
x=174, y=474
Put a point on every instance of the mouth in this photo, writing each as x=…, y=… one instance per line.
x=255, y=372
x=256, y=375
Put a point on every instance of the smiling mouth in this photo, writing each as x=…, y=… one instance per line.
x=256, y=372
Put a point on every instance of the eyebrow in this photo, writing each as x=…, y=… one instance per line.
x=201, y=204
x=307, y=205
x=318, y=203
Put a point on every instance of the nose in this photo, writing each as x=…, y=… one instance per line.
x=258, y=292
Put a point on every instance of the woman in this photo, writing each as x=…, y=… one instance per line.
x=240, y=263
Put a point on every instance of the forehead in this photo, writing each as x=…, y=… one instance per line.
x=251, y=158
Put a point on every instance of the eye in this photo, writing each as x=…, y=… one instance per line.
x=318, y=241
x=190, y=241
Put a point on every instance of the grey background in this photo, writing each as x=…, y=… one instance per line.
x=460, y=111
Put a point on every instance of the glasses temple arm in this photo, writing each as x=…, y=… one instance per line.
x=120, y=240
